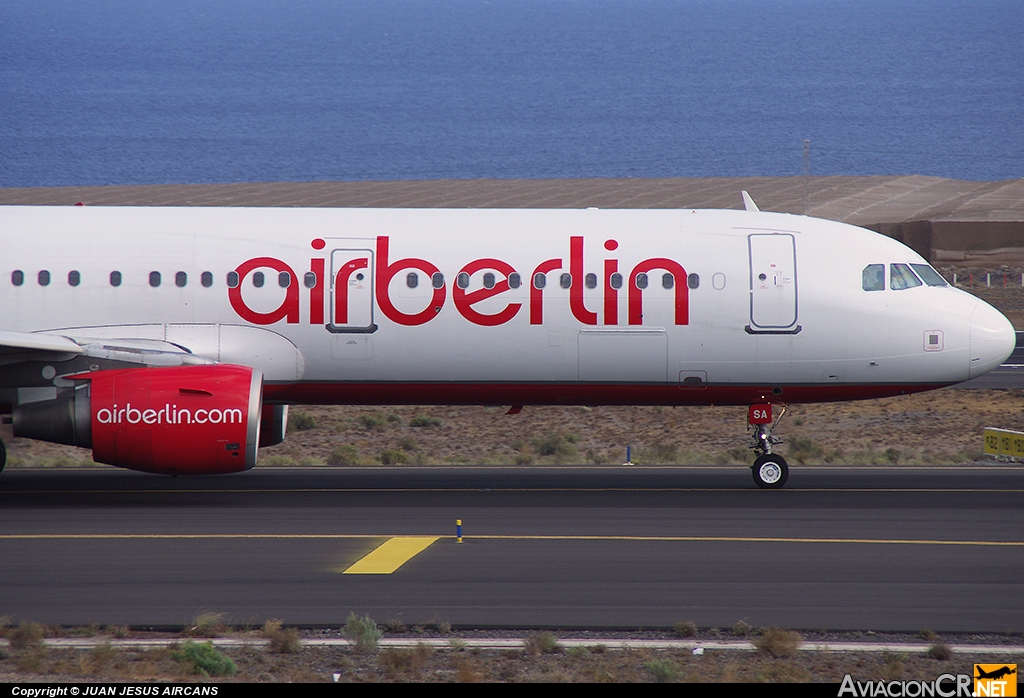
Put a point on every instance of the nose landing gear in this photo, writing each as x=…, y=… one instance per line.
x=770, y=471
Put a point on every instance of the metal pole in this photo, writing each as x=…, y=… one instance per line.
x=807, y=173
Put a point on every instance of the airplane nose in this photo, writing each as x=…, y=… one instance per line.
x=992, y=339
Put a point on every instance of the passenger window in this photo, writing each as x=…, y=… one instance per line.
x=284, y=279
x=591, y=280
x=115, y=278
x=44, y=278
x=565, y=281
x=540, y=280
x=232, y=279
x=900, y=277
x=412, y=280
x=74, y=278
x=488, y=280
x=17, y=277
x=616, y=281
x=692, y=281
x=154, y=278
x=929, y=275
x=206, y=279
x=258, y=279
x=309, y=280
x=462, y=280
x=514, y=281
x=641, y=280
x=668, y=281
x=180, y=279
x=873, y=277
x=437, y=280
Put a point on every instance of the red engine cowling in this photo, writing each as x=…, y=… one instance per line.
x=178, y=420
x=172, y=420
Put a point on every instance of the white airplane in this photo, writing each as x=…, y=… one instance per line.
x=171, y=340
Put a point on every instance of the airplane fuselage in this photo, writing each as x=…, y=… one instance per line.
x=734, y=304
x=170, y=339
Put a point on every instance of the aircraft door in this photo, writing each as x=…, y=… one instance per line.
x=352, y=291
x=773, y=287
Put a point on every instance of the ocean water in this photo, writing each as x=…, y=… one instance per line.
x=154, y=91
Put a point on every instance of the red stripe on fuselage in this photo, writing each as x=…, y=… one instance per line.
x=571, y=393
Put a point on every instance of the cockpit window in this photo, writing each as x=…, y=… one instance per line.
x=900, y=277
x=929, y=275
x=873, y=277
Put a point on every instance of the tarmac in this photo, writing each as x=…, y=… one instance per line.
x=946, y=220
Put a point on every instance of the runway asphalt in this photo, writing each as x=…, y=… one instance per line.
x=840, y=548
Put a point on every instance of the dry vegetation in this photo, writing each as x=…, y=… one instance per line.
x=542, y=658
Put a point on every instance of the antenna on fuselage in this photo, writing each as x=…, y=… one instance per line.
x=748, y=203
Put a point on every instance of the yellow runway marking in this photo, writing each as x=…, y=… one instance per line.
x=390, y=555
x=417, y=544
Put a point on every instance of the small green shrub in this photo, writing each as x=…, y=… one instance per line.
x=300, y=421
x=741, y=628
x=390, y=456
x=554, y=444
x=686, y=628
x=363, y=633
x=542, y=643
x=662, y=453
x=424, y=422
x=204, y=659
x=373, y=422
x=802, y=449
x=662, y=670
x=343, y=455
x=940, y=651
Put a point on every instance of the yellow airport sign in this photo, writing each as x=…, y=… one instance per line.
x=1004, y=444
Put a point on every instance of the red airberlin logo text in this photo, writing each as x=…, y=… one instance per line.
x=503, y=278
x=168, y=414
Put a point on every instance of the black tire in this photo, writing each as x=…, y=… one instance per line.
x=3, y=455
x=770, y=471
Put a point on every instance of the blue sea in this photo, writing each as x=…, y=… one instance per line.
x=189, y=91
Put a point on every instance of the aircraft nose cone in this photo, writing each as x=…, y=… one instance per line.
x=992, y=339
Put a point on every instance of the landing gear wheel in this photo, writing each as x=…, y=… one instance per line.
x=3, y=455
x=770, y=471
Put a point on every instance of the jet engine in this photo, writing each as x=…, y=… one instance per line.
x=174, y=420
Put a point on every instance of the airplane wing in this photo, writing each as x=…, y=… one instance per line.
x=24, y=346
x=153, y=345
x=24, y=342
